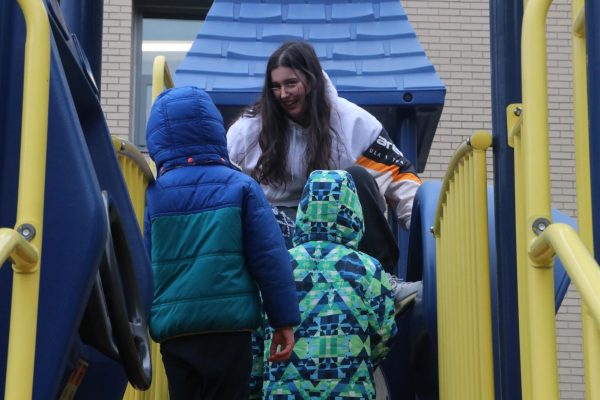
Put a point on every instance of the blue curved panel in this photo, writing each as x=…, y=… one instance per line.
x=74, y=223
x=80, y=163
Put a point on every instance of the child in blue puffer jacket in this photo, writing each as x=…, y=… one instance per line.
x=214, y=243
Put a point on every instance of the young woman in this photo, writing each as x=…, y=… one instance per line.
x=300, y=124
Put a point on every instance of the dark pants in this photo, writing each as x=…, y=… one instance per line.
x=378, y=241
x=209, y=366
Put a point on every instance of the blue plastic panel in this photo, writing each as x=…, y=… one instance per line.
x=409, y=65
x=223, y=11
x=250, y=50
x=356, y=50
x=389, y=10
x=228, y=30
x=351, y=39
x=381, y=30
x=280, y=32
x=74, y=222
x=208, y=47
x=299, y=13
x=259, y=12
x=346, y=12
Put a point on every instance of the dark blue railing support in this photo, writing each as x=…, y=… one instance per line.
x=84, y=18
x=592, y=33
x=505, y=37
x=406, y=140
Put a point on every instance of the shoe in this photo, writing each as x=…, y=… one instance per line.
x=404, y=293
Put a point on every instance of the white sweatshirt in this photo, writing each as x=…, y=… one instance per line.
x=360, y=140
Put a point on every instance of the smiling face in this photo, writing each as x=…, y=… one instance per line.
x=288, y=86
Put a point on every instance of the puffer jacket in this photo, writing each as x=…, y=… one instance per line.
x=212, y=237
x=345, y=300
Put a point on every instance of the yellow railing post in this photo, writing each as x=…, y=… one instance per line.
x=591, y=338
x=137, y=178
x=26, y=256
x=463, y=278
x=161, y=76
x=536, y=290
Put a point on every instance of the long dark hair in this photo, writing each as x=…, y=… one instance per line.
x=273, y=138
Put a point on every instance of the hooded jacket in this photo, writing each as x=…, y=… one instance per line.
x=210, y=232
x=360, y=140
x=345, y=300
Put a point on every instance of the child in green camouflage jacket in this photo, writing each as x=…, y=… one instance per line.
x=346, y=302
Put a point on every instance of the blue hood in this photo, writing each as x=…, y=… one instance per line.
x=329, y=210
x=185, y=128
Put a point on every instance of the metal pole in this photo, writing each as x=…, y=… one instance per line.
x=592, y=35
x=505, y=50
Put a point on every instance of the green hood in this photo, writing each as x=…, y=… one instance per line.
x=329, y=210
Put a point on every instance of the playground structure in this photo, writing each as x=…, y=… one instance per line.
x=456, y=321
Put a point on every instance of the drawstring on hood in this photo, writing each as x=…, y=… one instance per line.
x=329, y=210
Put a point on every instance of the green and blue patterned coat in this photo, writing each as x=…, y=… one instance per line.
x=346, y=305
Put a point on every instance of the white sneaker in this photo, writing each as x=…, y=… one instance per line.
x=404, y=293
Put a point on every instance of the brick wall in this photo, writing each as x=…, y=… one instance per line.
x=117, y=65
x=455, y=36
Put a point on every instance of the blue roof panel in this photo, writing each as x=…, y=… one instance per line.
x=392, y=66
x=364, y=46
x=369, y=50
x=223, y=10
x=227, y=30
x=382, y=30
x=299, y=13
x=390, y=10
x=358, y=50
x=251, y=50
x=330, y=32
x=260, y=12
x=346, y=12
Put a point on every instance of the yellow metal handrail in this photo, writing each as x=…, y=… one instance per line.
x=15, y=247
x=161, y=76
x=539, y=371
x=591, y=337
x=466, y=368
x=579, y=20
x=161, y=80
x=562, y=240
x=137, y=174
x=24, y=244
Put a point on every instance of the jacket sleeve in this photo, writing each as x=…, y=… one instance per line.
x=235, y=142
x=268, y=260
x=394, y=173
x=382, y=321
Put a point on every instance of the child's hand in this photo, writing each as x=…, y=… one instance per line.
x=281, y=345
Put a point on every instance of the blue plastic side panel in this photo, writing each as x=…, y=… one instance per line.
x=74, y=224
x=75, y=231
x=11, y=21
x=80, y=163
